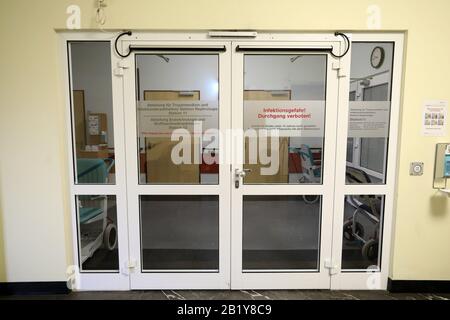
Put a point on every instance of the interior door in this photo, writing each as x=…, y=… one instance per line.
x=225, y=164
x=284, y=111
x=365, y=185
x=178, y=193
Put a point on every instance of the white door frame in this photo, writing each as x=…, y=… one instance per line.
x=96, y=280
x=364, y=279
x=376, y=80
x=286, y=279
x=176, y=279
x=126, y=187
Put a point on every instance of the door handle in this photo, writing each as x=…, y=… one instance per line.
x=238, y=174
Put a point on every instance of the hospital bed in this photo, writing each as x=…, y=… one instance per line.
x=93, y=210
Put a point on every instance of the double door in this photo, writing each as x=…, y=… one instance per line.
x=231, y=167
x=231, y=176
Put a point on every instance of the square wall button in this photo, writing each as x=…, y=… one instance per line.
x=416, y=169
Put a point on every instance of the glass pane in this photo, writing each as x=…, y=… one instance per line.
x=352, y=96
x=281, y=232
x=363, y=220
x=92, y=112
x=349, y=150
x=376, y=93
x=372, y=155
x=284, y=93
x=179, y=232
x=97, y=232
x=177, y=113
x=370, y=95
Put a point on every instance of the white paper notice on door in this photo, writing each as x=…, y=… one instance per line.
x=368, y=119
x=434, y=120
x=93, y=125
x=291, y=118
x=161, y=118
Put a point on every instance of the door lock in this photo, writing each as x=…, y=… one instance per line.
x=238, y=174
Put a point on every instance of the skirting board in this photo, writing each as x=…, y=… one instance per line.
x=419, y=286
x=33, y=288
x=60, y=287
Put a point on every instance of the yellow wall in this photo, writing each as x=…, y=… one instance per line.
x=33, y=170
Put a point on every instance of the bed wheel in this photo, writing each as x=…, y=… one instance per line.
x=110, y=236
x=370, y=250
x=348, y=230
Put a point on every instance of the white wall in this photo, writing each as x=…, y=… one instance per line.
x=361, y=52
x=34, y=204
x=181, y=73
x=305, y=77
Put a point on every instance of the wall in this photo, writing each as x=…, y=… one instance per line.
x=2, y=249
x=177, y=74
x=361, y=66
x=33, y=168
x=305, y=77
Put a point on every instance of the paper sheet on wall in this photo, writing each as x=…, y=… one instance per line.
x=93, y=124
x=434, y=120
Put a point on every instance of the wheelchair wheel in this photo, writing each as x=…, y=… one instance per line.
x=348, y=230
x=370, y=250
x=310, y=199
x=110, y=237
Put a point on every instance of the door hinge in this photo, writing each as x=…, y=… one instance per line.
x=337, y=66
x=121, y=65
x=129, y=267
x=332, y=267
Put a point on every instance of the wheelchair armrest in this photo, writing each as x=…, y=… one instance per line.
x=111, y=164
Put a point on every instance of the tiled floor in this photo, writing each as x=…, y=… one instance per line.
x=240, y=295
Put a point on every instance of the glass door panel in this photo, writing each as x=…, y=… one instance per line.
x=280, y=233
x=366, y=169
x=369, y=113
x=179, y=194
x=284, y=103
x=97, y=160
x=171, y=99
x=285, y=92
x=168, y=244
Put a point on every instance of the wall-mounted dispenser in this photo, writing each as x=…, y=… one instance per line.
x=442, y=168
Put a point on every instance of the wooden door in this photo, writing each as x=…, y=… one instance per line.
x=159, y=166
x=283, y=173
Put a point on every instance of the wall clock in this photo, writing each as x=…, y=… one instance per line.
x=377, y=57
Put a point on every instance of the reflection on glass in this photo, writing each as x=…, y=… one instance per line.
x=363, y=218
x=286, y=93
x=179, y=232
x=370, y=94
x=281, y=232
x=177, y=92
x=97, y=232
x=92, y=112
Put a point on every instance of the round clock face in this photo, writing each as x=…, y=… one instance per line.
x=377, y=57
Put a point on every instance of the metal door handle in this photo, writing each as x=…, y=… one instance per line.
x=238, y=174
x=241, y=173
